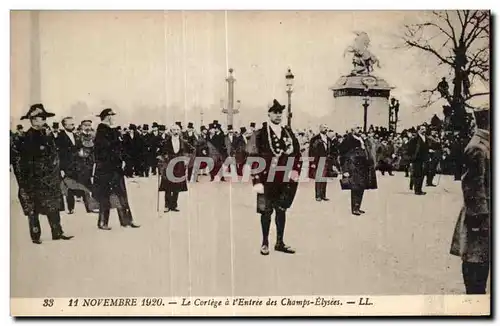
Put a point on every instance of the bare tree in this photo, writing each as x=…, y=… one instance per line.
x=459, y=40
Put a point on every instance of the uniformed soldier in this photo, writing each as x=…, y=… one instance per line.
x=471, y=239
x=275, y=144
x=39, y=176
x=109, y=181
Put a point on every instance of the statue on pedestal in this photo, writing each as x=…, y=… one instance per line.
x=363, y=60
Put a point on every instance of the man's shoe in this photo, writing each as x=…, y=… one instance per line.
x=175, y=210
x=264, y=250
x=284, y=248
x=356, y=212
x=361, y=211
x=318, y=199
x=71, y=212
x=63, y=237
x=431, y=185
x=104, y=227
x=37, y=241
x=420, y=193
x=325, y=199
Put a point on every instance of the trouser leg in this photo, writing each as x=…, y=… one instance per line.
x=323, y=189
x=475, y=277
x=173, y=199
x=70, y=200
x=104, y=208
x=124, y=213
x=34, y=225
x=280, y=224
x=265, y=223
x=317, y=190
x=55, y=224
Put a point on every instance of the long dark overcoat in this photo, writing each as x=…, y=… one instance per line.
x=39, y=174
x=178, y=169
x=359, y=163
x=474, y=247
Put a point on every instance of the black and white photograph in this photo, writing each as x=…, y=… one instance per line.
x=250, y=163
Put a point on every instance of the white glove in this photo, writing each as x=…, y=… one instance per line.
x=346, y=174
x=258, y=188
x=62, y=174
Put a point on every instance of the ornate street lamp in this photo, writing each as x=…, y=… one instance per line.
x=289, y=90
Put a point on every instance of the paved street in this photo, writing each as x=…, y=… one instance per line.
x=211, y=247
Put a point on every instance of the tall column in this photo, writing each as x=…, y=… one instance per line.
x=230, y=97
x=35, y=69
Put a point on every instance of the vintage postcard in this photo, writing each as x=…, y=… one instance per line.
x=250, y=163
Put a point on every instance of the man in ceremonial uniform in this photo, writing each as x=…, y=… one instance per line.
x=471, y=239
x=39, y=176
x=275, y=144
x=109, y=182
x=319, y=148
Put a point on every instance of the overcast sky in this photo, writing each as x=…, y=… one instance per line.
x=156, y=66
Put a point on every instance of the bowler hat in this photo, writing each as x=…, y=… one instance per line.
x=243, y=130
x=162, y=128
x=85, y=120
x=190, y=125
x=229, y=127
x=132, y=126
x=104, y=113
x=203, y=128
x=154, y=125
x=37, y=110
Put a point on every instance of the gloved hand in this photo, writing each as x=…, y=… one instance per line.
x=258, y=188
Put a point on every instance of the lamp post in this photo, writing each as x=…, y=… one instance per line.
x=289, y=90
x=366, y=104
x=230, y=110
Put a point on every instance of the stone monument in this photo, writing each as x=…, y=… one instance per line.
x=360, y=98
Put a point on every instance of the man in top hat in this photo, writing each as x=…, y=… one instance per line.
x=471, y=239
x=216, y=149
x=55, y=130
x=435, y=155
x=190, y=136
x=319, y=149
x=109, y=181
x=132, y=143
x=418, y=149
x=236, y=148
x=179, y=123
x=39, y=176
x=275, y=144
x=155, y=143
x=147, y=151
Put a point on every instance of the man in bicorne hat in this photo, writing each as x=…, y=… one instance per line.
x=275, y=144
x=39, y=176
x=109, y=181
x=471, y=239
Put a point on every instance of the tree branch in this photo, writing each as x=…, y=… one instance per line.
x=427, y=48
x=476, y=94
x=454, y=38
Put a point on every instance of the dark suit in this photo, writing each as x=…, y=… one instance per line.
x=108, y=178
x=172, y=187
x=418, y=150
x=192, y=140
x=68, y=156
x=133, y=148
x=236, y=149
x=218, y=152
x=318, y=149
x=278, y=192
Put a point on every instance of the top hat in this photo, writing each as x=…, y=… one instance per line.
x=212, y=126
x=154, y=125
x=203, y=128
x=145, y=127
x=229, y=127
x=104, y=113
x=190, y=125
x=179, y=124
x=252, y=124
x=216, y=122
x=162, y=128
x=276, y=107
x=243, y=130
x=55, y=125
x=132, y=126
x=19, y=127
x=37, y=110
